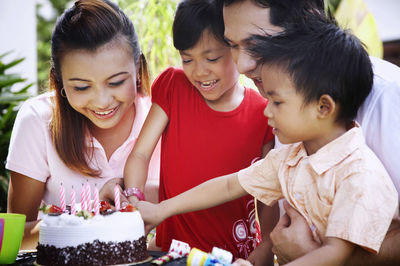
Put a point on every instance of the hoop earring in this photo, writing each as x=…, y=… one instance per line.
x=63, y=94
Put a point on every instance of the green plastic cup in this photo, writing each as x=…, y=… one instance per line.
x=11, y=232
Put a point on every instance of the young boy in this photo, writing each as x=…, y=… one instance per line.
x=318, y=76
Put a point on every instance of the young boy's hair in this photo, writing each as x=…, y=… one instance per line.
x=321, y=58
x=192, y=17
x=285, y=12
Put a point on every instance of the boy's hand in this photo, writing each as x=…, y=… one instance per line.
x=152, y=214
x=292, y=237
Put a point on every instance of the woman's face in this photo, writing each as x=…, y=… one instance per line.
x=101, y=84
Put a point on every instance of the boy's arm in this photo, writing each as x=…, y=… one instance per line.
x=334, y=252
x=136, y=167
x=206, y=195
x=389, y=253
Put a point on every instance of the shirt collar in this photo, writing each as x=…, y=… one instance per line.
x=330, y=154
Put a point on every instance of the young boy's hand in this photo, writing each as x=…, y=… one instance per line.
x=152, y=214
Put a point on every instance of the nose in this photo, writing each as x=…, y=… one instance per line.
x=102, y=97
x=267, y=111
x=245, y=63
x=201, y=69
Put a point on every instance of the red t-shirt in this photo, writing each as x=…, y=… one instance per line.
x=199, y=144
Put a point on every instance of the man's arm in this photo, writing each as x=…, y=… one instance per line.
x=292, y=238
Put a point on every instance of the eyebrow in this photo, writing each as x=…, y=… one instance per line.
x=110, y=77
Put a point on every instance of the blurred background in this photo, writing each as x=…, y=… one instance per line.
x=26, y=27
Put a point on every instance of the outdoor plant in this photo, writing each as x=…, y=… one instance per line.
x=9, y=103
x=153, y=23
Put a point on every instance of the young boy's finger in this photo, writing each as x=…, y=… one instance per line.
x=290, y=211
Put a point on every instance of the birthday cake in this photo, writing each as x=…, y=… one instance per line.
x=85, y=239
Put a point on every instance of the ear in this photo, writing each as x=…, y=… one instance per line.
x=326, y=106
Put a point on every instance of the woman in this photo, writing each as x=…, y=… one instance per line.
x=84, y=128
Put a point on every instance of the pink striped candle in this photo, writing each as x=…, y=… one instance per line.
x=88, y=196
x=116, y=198
x=96, y=201
x=83, y=201
x=63, y=205
x=72, y=198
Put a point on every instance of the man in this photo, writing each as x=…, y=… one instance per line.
x=379, y=118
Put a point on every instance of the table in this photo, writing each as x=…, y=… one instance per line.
x=28, y=259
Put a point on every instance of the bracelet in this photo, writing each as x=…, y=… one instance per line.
x=132, y=191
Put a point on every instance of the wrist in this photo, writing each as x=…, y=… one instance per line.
x=133, y=191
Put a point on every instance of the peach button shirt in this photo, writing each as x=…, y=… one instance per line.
x=342, y=190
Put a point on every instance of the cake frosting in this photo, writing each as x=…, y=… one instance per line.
x=116, y=238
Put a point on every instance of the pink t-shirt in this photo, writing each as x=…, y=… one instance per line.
x=32, y=152
x=342, y=190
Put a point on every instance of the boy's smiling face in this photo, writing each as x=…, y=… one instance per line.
x=291, y=120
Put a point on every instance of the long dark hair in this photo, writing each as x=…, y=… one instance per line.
x=86, y=25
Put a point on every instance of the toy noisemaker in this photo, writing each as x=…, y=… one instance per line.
x=177, y=250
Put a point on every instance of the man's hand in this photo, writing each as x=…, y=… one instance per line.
x=261, y=255
x=242, y=262
x=292, y=237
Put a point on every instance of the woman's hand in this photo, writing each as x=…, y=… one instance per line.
x=24, y=196
x=107, y=191
x=292, y=237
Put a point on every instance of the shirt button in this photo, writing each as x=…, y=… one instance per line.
x=297, y=196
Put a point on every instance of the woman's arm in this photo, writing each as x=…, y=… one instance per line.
x=136, y=168
x=206, y=195
x=24, y=196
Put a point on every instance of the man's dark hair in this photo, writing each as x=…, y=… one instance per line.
x=321, y=58
x=192, y=18
x=284, y=12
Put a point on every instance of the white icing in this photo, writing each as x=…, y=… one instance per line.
x=69, y=230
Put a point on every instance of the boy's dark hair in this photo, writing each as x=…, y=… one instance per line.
x=192, y=18
x=321, y=58
x=284, y=12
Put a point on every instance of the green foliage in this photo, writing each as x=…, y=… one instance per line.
x=9, y=101
x=332, y=5
x=153, y=23
x=44, y=30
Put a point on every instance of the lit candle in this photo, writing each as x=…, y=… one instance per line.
x=88, y=196
x=96, y=200
x=72, y=196
x=116, y=197
x=62, y=198
x=83, y=201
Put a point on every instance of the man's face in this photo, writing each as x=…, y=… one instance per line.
x=241, y=21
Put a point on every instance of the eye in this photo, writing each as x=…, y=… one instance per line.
x=233, y=46
x=276, y=103
x=214, y=59
x=81, y=88
x=116, y=84
x=186, y=61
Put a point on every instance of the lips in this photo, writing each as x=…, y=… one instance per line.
x=106, y=113
x=208, y=85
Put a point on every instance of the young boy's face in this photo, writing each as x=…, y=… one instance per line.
x=291, y=120
x=210, y=68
